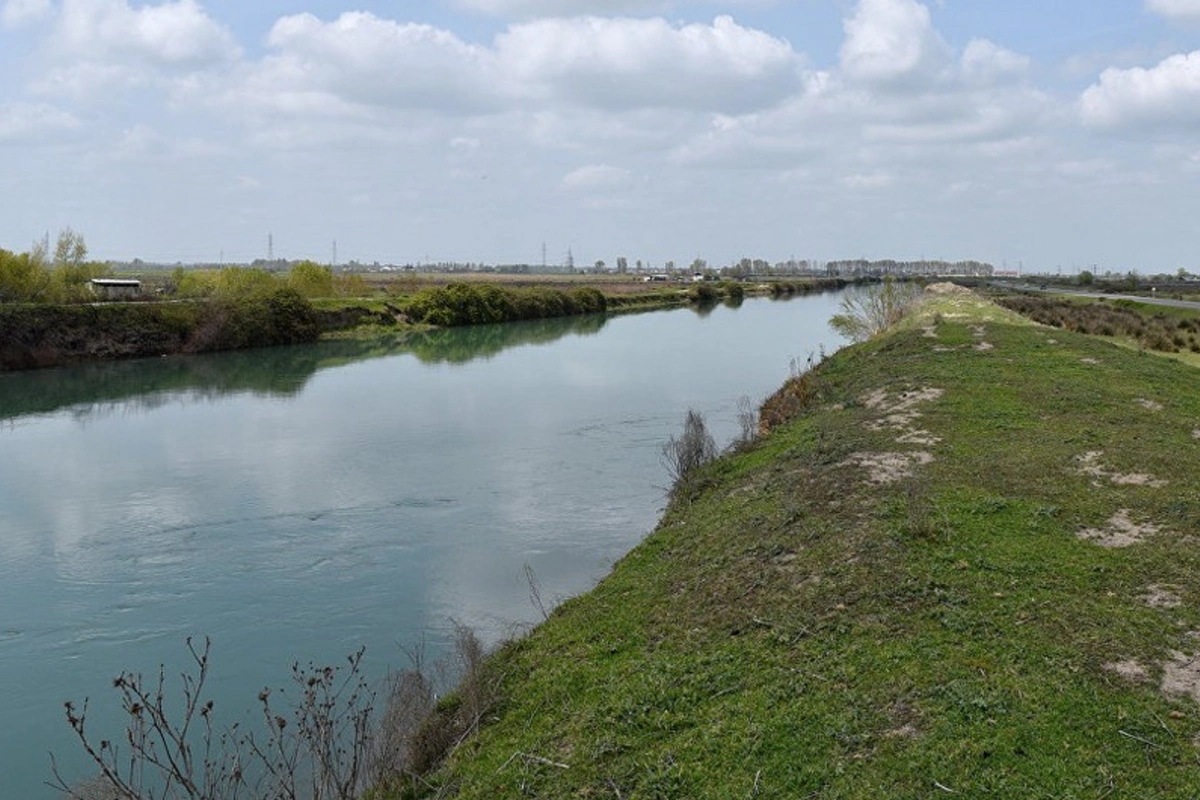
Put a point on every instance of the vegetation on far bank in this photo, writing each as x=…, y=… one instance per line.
x=50, y=315
x=963, y=562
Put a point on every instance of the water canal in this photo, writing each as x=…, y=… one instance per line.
x=299, y=503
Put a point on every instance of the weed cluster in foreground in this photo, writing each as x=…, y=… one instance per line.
x=319, y=739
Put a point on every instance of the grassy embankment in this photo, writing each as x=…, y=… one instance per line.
x=967, y=563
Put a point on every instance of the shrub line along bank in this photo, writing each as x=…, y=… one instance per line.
x=962, y=560
x=42, y=335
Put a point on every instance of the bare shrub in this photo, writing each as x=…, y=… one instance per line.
x=800, y=392
x=747, y=419
x=323, y=751
x=94, y=788
x=459, y=714
x=409, y=699
x=318, y=739
x=869, y=311
x=694, y=448
x=317, y=751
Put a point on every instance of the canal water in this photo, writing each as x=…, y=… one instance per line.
x=300, y=503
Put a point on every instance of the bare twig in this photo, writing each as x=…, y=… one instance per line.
x=535, y=591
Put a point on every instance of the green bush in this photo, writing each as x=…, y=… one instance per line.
x=867, y=312
x=23, y=278
x=474, y=304
x=311, y=279
x=703, y=294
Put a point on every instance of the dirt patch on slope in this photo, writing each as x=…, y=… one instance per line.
x=1089, y=464
x=900, y=413
x=1129, y=670
x=1181, y=676
x=883, y=468
x=1119, y=531
x=1161, y=596
x=946, y=287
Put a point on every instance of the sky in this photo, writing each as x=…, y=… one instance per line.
x=1049, y=136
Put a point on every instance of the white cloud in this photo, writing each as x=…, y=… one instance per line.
x=178, y=34
x=362, y=59
x=1182, y=10
x=564, y=8
x=26, y=123
x=19, y=12
x=362, y=64
x=597, y=176
x=143, y=143
x=619, y=63
x=101, y=44
x=1163, y=96
x=892, y=42
x=985, y=62
x=868, y=181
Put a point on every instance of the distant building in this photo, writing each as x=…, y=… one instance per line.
x=116, y=288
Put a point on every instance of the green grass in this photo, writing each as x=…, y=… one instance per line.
x=792, y=629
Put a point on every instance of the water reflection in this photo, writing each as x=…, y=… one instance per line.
x=461, y=345
x=94, y=390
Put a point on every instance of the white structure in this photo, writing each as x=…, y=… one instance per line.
x=116, y=288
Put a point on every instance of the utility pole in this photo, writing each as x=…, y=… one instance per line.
x=270, y=247
x=334, y=262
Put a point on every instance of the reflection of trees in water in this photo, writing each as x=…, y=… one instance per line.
x=460, y=345
x=144, y=384
x=93, y=390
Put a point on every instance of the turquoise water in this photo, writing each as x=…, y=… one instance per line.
x=300, y=503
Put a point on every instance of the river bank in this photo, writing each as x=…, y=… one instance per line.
x=963, y=561
x=40, y=335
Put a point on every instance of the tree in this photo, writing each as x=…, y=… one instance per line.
x=23, y=277
x=311, y=279
x=868, y=312
x=599, y=265
x=71, y=269
x=70, y=249
x=622, y=264
x=1086, y=278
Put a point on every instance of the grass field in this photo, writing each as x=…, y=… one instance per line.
x=969, y=567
